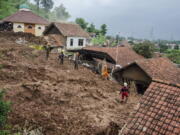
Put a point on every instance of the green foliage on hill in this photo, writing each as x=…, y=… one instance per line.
x=145, y=49
x=174, y=55
x=99, y=40
x=4, y=109
x=8, y=7
x=40, y=7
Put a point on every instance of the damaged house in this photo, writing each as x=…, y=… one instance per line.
x=68, y=35
x=24, y=20
x=143, y=71
x=118, y=56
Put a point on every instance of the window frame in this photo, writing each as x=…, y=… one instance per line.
x=80, y=42
x=19, y=26
x=71, y=42
x=30, y=27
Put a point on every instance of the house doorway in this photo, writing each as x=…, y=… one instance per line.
x=29, y=28
x=141, y=87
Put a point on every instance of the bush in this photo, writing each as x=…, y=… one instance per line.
x=174, y=55
x=145, y=49
x=4, y=109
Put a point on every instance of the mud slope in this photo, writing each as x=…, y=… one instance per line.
x=56, y=100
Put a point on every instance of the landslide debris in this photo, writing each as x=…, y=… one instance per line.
x=52, y=99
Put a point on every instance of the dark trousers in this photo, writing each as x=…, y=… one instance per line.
x=62, y=61
x=76, y=65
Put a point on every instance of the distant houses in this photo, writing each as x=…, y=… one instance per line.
x=69, y=35
x=26, y=21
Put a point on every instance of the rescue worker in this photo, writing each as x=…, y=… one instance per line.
x=76, y=60
x=48, y=50
x=105, y=73
x=124, y=92
x=61, y=57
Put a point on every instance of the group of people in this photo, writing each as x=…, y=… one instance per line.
x=75, y=59
x=124, y=91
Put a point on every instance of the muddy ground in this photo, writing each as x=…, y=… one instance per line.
x=51, y=99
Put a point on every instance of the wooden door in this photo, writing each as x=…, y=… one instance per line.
x=29, y=28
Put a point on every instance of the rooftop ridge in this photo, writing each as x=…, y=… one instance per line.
x=167, y=83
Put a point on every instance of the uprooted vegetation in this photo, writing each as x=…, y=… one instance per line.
x=51, y=99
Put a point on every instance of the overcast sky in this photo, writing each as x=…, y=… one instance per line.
x=138, y=18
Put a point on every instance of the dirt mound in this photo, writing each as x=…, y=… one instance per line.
x=11, y=36
x=52, y=99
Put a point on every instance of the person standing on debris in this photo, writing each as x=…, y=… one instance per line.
x=61, y=57
x=124, y=92
x=48, y=49
x=105, y=73
x=76, y=60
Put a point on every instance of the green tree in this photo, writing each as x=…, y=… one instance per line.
x=103, y=29
x=174, y=55
x=38, y=4
x=91, y=28
x=82, y=23
x=61, y=13
x=163, y=48
x=47, y=4
x=145, y=49
x=8, y=7
x=117, y=39
x=176, y=47
x=99, y=40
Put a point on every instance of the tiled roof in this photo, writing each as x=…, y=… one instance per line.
x=69, y=29
x=26, y=17
x=158, y=112
x=123, y=54
x=160, y=68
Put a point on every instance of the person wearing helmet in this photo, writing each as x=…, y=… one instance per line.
x=124, y=92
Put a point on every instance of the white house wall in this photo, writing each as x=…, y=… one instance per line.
x=16, y=29
x=75, y=42
x=39, y=32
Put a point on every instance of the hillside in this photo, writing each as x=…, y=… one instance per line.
x=51, y=99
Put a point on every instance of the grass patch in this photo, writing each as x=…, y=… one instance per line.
x=4, y=110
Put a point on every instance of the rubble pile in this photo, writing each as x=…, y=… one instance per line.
x=52, y=99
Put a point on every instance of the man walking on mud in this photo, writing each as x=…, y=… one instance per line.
x=76, y=59
x=124, y=92
x=48, y=50
x=61, y=58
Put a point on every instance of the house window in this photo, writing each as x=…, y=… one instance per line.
x=81, y=42
x=39, y=28
x=19, y=26
x=30, y=27
x=71, y=42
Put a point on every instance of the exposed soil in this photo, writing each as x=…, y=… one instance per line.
x=51, y=99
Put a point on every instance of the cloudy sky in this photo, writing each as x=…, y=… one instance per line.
x=139, y=18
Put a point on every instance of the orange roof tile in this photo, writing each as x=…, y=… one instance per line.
x=157, y=113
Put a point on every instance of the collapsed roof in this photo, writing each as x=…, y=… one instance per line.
x=96, y=54
x=122, y=55
x=68, y=29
